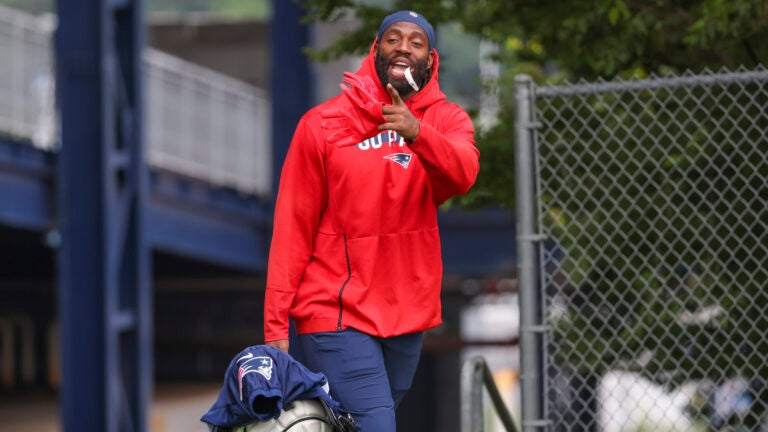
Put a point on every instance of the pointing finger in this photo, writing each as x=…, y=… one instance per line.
x=396, y=100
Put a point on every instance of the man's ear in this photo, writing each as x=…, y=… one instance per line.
x=431, y=59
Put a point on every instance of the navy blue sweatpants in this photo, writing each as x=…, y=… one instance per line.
x=369, y=376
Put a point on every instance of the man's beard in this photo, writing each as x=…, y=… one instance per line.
x=420, y=72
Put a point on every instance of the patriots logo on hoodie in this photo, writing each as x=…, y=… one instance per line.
x=402, y=159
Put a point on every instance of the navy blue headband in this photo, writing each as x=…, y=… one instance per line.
x=409, y=16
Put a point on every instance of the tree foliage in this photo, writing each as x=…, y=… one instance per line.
x=561, y=40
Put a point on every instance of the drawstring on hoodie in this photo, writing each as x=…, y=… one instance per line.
x=341, y=290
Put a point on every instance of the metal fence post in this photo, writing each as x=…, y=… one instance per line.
x=531, y=378
x=105, y=298
x=475, y=375
x=471, y=397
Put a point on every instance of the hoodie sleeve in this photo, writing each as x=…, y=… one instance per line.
x=301, y=199
x=446, y=149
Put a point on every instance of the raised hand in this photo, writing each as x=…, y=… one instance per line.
x=340, y=127
x=347, y=126
x=399, y=118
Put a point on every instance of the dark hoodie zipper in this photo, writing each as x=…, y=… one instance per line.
x=341, y=290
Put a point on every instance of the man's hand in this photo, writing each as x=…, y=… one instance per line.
x=399, y=118
x=279, y=344
x=340, y=127
x=344, y=127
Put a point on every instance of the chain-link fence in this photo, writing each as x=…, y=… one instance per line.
x=644, y=205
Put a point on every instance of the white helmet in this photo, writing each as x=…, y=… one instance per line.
x=298, y=416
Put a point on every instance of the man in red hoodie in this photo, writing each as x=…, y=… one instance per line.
x=355, y=257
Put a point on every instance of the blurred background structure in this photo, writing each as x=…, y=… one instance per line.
x=631, y=141
x=139, y=150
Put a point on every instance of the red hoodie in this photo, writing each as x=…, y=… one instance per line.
x=355, y=239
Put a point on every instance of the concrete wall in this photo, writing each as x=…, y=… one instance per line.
x=241, y=49
x=237, y=48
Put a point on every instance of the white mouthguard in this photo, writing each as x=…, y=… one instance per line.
x=410, y=79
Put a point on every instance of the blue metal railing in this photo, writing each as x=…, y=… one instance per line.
x=200, y=123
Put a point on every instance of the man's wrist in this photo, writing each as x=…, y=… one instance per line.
x=416, y=135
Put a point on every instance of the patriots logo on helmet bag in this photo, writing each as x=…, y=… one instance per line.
x=260, y=365
x=402, y=159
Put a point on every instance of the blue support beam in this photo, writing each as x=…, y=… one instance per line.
x=478, y=243
x=105, y=298
x=192, y=219
x=292, y=90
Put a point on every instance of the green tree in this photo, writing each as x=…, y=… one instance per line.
x=560, y=40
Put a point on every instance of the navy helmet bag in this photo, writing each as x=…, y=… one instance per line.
x=266, y=385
